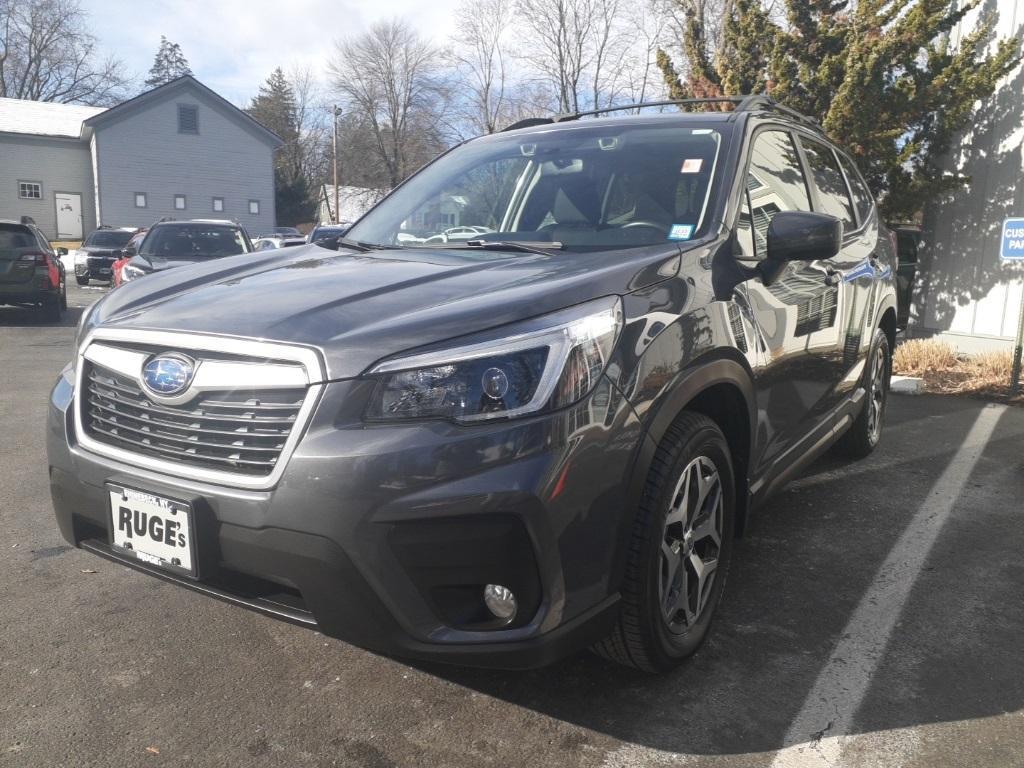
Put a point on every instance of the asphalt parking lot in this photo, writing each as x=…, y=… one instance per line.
x=873, y=618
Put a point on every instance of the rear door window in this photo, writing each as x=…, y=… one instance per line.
x=833, y=196
x=775, y=182
x=861, y=194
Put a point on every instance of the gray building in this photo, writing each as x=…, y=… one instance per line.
x=178, y=150
x=965, y=294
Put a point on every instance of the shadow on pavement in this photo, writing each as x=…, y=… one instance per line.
x=797, y=576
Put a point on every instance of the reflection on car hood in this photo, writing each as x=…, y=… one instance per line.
x=360, y=307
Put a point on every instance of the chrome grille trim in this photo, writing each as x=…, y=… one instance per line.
x=167, y=436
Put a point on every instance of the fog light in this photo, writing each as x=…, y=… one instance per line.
x=500, y=601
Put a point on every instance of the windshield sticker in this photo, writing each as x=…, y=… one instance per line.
x=692, y=166
x=680, y=231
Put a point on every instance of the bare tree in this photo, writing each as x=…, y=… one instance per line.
x=48, y=54
x=557, y=45
x=389, y=79
x=483, y=63
x=582, y=49
x=313, y=120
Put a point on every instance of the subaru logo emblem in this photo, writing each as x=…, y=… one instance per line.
x=168, y=375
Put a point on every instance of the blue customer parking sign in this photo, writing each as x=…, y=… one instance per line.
x=1012, y=246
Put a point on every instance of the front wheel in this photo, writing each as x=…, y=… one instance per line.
x=82, y=279
x=679, y=551
x=865, y=433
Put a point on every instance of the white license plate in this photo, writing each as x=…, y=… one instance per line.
x=152, y=528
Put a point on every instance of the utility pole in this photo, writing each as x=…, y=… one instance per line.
x=337, y=214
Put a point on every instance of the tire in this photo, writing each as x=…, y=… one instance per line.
x=659, y=626
x=865, y=433
x=82, y=279
x=63, y=294
x=52, y=309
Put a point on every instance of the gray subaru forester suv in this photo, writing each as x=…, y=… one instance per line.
x=496, y=448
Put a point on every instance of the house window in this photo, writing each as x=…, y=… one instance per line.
x=30, y=190
x=188, y=118
x=254, y=207
x=179, y=202
x=140, y=199
x=218, y=204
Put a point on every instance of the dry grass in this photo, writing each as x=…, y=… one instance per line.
x=947, y=372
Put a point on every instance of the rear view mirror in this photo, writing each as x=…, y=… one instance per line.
x=803, y=236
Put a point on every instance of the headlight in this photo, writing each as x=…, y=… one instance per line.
x=554, y=362
x=128, y=272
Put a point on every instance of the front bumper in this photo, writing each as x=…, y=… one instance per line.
x=384, y=536
x=95, y=267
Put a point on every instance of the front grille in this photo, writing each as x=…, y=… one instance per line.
x=240, y=431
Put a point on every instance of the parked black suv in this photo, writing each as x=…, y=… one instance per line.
x=171, y=243
x=94, y=260
x=31, y=272
x=496, y=450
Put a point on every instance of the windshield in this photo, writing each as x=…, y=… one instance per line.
x=190, y=241
x=586, y=187
x=108, y=239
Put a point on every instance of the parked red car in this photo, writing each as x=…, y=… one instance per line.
x=129, y=250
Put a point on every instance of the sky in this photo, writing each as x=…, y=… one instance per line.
x=233, y=45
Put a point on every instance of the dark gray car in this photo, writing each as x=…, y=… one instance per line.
x=498, y=450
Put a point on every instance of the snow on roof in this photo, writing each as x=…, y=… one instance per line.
x=44, y=118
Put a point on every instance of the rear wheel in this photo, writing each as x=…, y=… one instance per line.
x=52, y=309
x=679, y=552
x=866, y=431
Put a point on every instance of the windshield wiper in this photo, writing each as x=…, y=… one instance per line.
x=543, y=247
x=358, y=245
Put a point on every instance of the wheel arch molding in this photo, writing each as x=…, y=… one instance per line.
x=722, y=388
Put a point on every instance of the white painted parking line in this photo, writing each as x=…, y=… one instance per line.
x=817, y=735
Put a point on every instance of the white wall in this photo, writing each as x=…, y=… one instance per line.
x=964, y=293
x=61, y=165
x=144, y=152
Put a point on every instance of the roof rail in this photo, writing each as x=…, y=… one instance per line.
x=766, y=102
x=747, y=103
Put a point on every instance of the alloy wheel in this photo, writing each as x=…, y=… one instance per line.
x=876, y=394
x=690, y=546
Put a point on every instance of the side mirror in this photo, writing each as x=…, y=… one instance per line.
x=62, y=251
x=803, y=236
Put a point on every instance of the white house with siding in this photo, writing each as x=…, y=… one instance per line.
x=965, y=294
x=178, y=150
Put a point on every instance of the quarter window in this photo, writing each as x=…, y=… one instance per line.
x=30, y=190
x=188, y=118
x=775, y=183
x=179, y=202
x=861, y=194
x=833, y=196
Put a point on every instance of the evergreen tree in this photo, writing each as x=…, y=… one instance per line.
x=168, y=64
x=275, y=108
x=879, y=75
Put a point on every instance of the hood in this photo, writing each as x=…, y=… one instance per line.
x=158, y=264
x=95, y=250
x=358, y=308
